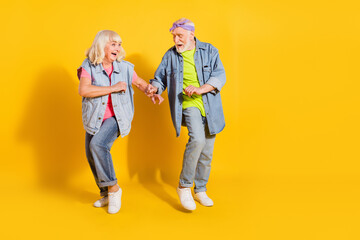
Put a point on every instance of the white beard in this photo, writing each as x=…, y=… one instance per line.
x=186, y=46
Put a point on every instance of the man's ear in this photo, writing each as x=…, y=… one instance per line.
x=192, y=34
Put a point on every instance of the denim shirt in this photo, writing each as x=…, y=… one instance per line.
x=93, y=108
x=209, y=69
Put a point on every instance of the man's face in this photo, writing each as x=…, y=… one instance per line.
x=183, y=39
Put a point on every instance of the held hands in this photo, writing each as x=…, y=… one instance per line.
x=119, y=87
x=157, y=97
x=190, y=90
x=150, y=90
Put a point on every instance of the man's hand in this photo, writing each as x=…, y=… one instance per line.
x=150, y=90
x=190, y=90
x=119, y=87
x=157, y=97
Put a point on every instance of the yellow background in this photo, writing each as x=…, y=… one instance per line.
x=285, y=167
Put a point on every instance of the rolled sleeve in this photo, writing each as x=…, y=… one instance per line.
x=216, y=83
x=157, y=85
x=217, y=78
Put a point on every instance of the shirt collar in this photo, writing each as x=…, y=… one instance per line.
x=100, y=68
x=199, y=44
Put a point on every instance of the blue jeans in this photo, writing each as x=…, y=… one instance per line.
x=198, y=152
x=98, y=154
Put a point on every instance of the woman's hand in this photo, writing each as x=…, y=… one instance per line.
x=119, y=87
x=150, y=90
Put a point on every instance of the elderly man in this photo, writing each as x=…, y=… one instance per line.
x=194, y=75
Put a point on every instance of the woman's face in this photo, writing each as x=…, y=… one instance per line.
x=112, y=50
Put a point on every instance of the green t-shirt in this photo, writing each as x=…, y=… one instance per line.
x=191, y=78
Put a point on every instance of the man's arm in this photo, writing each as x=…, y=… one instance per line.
x=216, y=81
x=190, y=90
x=159, y=81
x=217, y=77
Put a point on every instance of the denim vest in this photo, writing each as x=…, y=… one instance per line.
x=93, y=109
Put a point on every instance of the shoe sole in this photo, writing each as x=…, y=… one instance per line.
x=203, y=204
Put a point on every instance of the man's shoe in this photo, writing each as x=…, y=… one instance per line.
x=203, y=199
x=114, y=201
x=186, y=198
x=102, y=202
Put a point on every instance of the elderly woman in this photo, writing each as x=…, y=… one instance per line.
x=107, y=109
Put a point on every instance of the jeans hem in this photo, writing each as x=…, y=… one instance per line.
x=107, y=184
x=197, y=190
x=185, y=185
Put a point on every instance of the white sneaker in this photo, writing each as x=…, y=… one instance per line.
x=102, y=202
x=114, y=201
x=186, y=198
x=203, y=199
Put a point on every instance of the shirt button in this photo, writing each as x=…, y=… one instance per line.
x=114, y=105
x=103, y=103
x=99, y=118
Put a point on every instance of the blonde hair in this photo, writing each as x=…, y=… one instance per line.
x=96, y=52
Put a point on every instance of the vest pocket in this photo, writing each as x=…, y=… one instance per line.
x=124, y=98
x=90, y=111
x=126, y=105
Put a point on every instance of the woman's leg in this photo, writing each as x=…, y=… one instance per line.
x=98, y=154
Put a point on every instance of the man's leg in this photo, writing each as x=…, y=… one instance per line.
x=196, y=143
x=194, y=147
x=204, y=164
x=203, y=171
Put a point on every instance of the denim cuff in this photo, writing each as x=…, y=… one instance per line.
x=197, y=190
x=216, y=83
x=106, y=184
x=185, y=185
x=158, y=85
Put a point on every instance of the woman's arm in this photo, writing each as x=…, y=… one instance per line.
x=140, y=83
x=148, y=89
x=86, y=89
